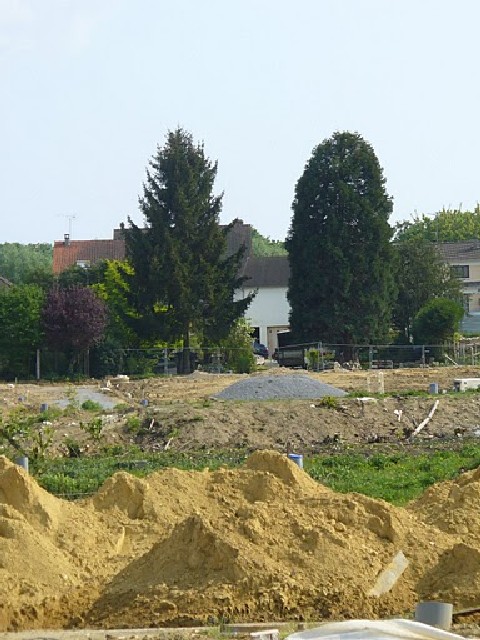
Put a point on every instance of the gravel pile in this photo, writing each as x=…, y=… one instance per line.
x=285, y=386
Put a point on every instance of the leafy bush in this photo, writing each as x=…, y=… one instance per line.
x=133, y=424
x=238, y=347
x=437, y=321
x=90, y=405
x=330, y=402
x=93, y=428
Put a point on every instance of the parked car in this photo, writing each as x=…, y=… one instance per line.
x=260, y=349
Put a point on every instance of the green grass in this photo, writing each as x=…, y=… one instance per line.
x=75, y=477
x=396, y=477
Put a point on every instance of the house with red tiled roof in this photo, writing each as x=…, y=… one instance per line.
x=85, y=253
x=267, y=276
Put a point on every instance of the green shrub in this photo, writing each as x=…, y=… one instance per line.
x=133, y=424
x=238, y=347
x=93, y=428
x=330, y=402
x=90, y=405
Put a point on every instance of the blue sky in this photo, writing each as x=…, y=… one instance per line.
x=89, y=88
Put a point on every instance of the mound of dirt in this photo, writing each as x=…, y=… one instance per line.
x=457, y=575
x=278, y=386
x=453, y=506
x=260, y=542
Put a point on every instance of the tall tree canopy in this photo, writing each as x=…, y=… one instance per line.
x=182, y=280
x=341, y=284
x=421, y=275
x=26, y=263
x=74, y=319
x=21, y=331
x=448, y=225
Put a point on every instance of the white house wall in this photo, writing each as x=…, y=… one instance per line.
x=269, y=312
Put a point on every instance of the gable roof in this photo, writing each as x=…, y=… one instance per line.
x=267, y=271
x=459, y=251
x=66, y=254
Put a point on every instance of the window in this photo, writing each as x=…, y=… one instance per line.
x=466, y=302
x=83, y=263
x=460, y=270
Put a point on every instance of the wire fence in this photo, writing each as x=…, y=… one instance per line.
x=318, y=356
x=101, y=362
x=314, y=356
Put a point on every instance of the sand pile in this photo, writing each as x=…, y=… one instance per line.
x=454, y=507
x=261, y=542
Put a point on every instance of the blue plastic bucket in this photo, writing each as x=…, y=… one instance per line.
x=297, y=458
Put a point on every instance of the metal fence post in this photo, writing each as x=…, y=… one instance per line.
x=165, y=361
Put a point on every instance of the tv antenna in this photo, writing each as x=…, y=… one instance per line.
x=70, y=218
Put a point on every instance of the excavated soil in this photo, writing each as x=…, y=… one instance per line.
x=260, y=542
x=183, y=414
x=257, y=543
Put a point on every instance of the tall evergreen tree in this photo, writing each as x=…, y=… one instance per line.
x=182, y=280
x=341, y=284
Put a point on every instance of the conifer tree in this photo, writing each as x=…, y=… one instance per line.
x=183, y=281
x=341, y=284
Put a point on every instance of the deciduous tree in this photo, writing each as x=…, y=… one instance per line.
x=447, y=225
x=74, y=319
x=437, y=321
x=421, y=275
x=26, y=263
x=21, y=333
x=341, y=285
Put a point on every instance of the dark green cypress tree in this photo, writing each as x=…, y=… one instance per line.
x=183, y=281
x=341, y=284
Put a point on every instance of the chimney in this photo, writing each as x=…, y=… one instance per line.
x=66, y=239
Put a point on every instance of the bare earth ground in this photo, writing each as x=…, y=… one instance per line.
x=185, y=418
x=263, y=542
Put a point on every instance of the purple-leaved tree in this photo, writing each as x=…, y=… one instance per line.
x=74, y=319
